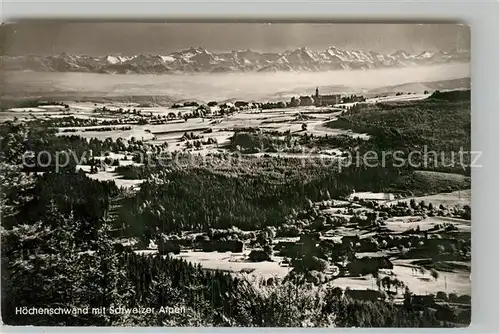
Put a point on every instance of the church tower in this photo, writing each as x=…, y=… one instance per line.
x=317, y=98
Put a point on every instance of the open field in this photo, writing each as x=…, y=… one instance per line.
x=110, y=174
x=236, y=263
x=171, y=132
x=461, y=198
x=402, y=224
x=458, y=282
x=136, y=133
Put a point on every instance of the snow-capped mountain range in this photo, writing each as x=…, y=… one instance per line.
x=201, y=60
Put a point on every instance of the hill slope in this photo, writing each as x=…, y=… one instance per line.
x=419, y=87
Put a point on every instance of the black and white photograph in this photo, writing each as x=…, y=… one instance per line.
x=235, y=174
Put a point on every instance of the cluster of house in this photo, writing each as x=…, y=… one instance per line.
x=311, y=245
x=202, y=243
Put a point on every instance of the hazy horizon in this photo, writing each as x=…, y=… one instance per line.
x=224, y=86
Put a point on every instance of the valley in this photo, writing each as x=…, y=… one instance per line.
x=267, y=193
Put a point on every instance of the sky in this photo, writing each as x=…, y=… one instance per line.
x=97, y=38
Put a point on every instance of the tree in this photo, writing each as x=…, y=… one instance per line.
x=110, y=287
x=55, y=254
x=467, y=212
x=294, y=102
x=413, y=204
x=263, y=238
x=440, y=249
x=441, y=295
x=378, y=281
x=407, y=298
x=398, y=284
x=386, y=283
x=434, y=274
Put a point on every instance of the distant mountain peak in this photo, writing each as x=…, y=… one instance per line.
x=198, y=59
x=197, y=49
x=399, y=52
x=425, y=54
